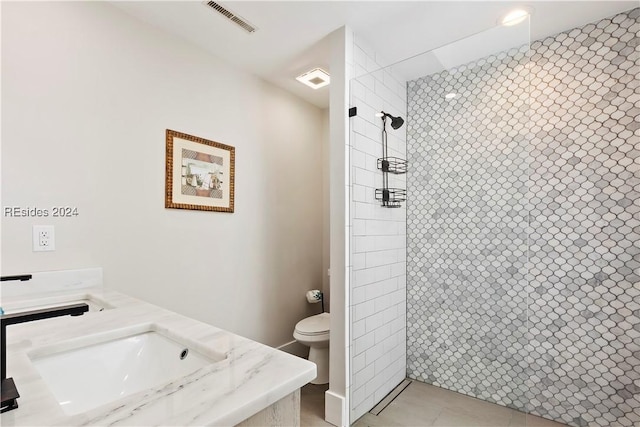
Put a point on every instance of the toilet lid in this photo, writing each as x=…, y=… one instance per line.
x=314, y=325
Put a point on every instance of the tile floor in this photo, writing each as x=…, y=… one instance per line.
x=424, y=405
x=312, y=405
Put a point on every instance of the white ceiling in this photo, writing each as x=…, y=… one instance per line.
x=291, y=34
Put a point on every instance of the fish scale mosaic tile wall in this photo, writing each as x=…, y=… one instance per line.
x=523, y=227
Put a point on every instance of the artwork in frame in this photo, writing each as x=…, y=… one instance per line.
x=199, y=173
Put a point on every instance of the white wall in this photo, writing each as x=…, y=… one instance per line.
x=336, y=398
x=378, y=236
x=326, y=222
x=87, y=95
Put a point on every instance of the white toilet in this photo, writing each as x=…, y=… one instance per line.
x=314, y=332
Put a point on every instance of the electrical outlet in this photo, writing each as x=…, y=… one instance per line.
x=43, y=238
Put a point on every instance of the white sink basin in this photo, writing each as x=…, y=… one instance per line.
x=95, y=304
x=88, y=376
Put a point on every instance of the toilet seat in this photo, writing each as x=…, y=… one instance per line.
x=314, y=325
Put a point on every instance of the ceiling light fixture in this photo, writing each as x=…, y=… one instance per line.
x=515, y=17
x=450, y=95
x=315, y=78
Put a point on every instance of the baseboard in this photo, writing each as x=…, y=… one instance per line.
x=335, y=409
x=295, y=348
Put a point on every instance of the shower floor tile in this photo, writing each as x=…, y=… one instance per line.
x=426, y=405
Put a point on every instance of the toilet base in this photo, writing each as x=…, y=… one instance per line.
x=320, y=356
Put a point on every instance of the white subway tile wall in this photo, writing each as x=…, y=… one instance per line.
x=378, y=237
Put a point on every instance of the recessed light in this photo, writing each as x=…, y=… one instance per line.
x=515, y=17
x=450, y=95
x=315, y=78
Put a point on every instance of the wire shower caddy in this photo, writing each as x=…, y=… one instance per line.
x=390, y=197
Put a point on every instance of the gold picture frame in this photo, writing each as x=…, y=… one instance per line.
x=200, y=174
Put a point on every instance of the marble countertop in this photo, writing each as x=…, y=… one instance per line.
x=251, y=377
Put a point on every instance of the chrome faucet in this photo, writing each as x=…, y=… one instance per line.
x=9, y=391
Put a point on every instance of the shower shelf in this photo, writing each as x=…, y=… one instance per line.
x=392, y=165
x=391, y=197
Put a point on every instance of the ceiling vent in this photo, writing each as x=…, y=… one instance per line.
x=239, y=21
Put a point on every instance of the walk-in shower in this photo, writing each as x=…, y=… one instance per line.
x=511, y=272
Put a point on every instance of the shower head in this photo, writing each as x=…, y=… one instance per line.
x=396, y=122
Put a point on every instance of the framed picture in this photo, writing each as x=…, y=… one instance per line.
x=199, y=173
